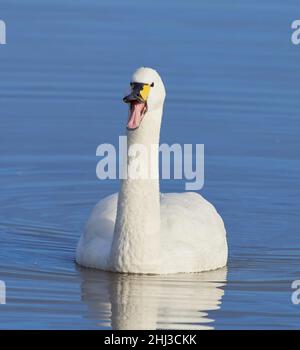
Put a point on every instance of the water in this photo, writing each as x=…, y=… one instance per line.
x=232, y=80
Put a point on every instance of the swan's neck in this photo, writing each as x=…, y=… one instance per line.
x=136, y=240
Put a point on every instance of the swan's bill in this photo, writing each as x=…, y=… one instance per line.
x=138, y=103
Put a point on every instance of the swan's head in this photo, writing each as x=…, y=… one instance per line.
x=147, y=94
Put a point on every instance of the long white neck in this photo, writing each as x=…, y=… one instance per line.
x=136, y=241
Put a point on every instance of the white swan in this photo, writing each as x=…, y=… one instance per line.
x=140, y=230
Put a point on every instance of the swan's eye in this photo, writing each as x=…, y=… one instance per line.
x=152, y=84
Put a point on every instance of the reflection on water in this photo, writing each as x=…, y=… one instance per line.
x=180, y=301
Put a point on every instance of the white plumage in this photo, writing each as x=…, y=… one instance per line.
x=193, y=237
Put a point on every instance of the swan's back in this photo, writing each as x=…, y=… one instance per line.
x=193, y=234
x=93, y=248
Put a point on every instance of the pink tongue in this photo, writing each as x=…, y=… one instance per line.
x=135, y=115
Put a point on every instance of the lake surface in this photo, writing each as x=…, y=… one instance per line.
x=232, y=79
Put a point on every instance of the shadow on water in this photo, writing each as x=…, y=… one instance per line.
x=123, y=301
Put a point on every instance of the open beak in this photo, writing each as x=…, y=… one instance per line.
x=138, y=104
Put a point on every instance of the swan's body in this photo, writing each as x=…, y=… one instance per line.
x=140, y=230
x=192, y=234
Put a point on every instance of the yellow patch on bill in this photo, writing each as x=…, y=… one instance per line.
x=145, y=91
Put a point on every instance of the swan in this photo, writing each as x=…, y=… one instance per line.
x=140, y=230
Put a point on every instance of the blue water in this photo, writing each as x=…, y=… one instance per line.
x=232, y=80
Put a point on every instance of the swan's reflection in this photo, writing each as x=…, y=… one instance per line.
x=180, y=301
